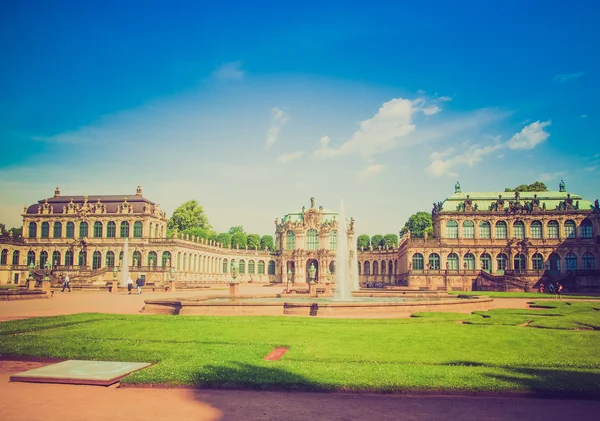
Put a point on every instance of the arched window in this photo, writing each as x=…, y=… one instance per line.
x=124, y=229
x=589, y=262
x=537, y=261
x=312, y=239
x=32, y=230
x=82, y=258
x=552, y=229
x=501, y=230
x=4, y=257
x=45, y=230
x=417, y=261
x=156, y=230
x=251, y=267
x=261, y=267
x=390, y=268
x=290, y=240
x=43, y=259
x=468, y=229
x=587, y=231
x=166, y=258
x=83, y=229
x=70, y=230
x=519, y=229
x=571, y=261
x=98, y=229
x=452, y=229
x=434, y=261
x=271, y=268
x=16, y=257
x=30, y=257
x=520, y=262
x=452, y=261
x=469, y=261
x=96, y=260
x=137, y=229
x=536, y=229
x=55, y=258
x=242, y=267
x=570, y=230
x=69, y=258
x=110, y=259
x=484, y=229
x=367, y=268
x=332, y=267
x=554, y=263
x=383, y=267
x=111, y=229
x=502, y=262
x=375, y=267
x=225, y=265
x=57, y=230
x=486, y=262
x=332, y=240
x=152, y=258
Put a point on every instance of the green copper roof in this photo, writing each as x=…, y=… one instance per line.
x=328, y=215
x=484, y=199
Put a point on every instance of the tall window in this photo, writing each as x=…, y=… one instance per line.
x=469, y=261
x=70, y=230
x=137, y=230
x=453, y=261
x=452, y=229
x=554, y=263
x=587, y=230
x=570, y=230
x=536, y=229
x=571, y=261
x=261, y=267
x=367, y=268
x=45, y=230
x=502, y=261
x=124, y=229
x=30, y=257
x=225, y=262
x=468, y=229
x=588, y=261
x=82, y=258
x=69, y=258
x=152, y=258
x=417, y=261
x=97, y=229
x=251, y=267
x=484, y=229
x=55, y=258
x=375, y=267
x=43, y=259
x=537, y=261
x=520, y=262
x=434, y=261
x=83, y=229
x=137, y=260
x=312, y=239
x=383, y=267
x=333, y=240
x=242, y=266
x=16, y=256
x=271, y=268
x=110, y=259
x=552, y=229
x=290, y=240
x=111, y=229
x=486, y=262
x=519, y=229
x=96, y=260
x=501, y=230
x=32, y=230
x=166, y=258
x=4, y=257
x=57, y=230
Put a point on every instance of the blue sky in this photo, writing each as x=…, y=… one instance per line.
x=252, y=108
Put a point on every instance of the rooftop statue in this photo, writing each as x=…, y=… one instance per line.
x=561, y=186
x=312, y=202
x=457, y=187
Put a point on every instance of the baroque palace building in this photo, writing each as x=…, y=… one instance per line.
x=485, y=240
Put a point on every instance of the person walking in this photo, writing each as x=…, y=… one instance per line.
x=129, y=285
x=66, y=284
x=558, y=290
x=139, y=282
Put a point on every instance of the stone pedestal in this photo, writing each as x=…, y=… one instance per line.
x=31, y=283
x=234, y=288
x=312, y=290
x=171, y=286
x=46, y=285
x=114, y=286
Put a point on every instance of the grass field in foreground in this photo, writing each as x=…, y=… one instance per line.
x=534, y=295
x=543, y=350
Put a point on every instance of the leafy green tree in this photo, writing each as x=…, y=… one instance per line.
x=213, y=236
x=267, y=241
x=418, y=224
x=363, y=241
x=376, y=241
x=533, y=187
x=239, y=228
x=390, y=240
x=188, y=215
x=2, y=229
x=198, y=232
x=253, y=241
x=16, y=232
x=239, y=239
x=224, y=238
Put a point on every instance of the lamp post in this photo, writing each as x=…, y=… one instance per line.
x=233, y=285
x=311, y=273
x=289, y=279
x=30, y=279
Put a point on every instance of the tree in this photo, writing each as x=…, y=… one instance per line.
x=376, y=241
x=418, y=224
x=224, y=238
x=2, y=229
x=188, y=215
x=239, y=228
x=267, y=241
x=16, y=232
x=362, y=242
x=198, y=232
x=239, y=239
x=533, y=187
x=390, y=240
x=253, y=241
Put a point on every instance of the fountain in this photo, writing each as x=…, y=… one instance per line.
x=125, y=264
x=343, y=278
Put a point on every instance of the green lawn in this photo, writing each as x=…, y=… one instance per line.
x=543, y=350
x=535, y=295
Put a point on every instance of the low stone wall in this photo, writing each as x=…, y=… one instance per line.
x=14, y=295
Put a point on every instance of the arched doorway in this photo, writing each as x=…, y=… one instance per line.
x=309, y=263
x=290, y=267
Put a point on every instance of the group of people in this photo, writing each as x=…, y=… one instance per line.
x=139, y=282
x=555, y=288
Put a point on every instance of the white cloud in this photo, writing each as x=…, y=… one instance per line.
x=434, y=109
x=567, y=77
x=472, y=155
x=230, y=71
x=592, y=168
x=583, y=116
x=278, y=119
x=530, y=136
x=370, y=171
x=444, y=98
x=551, y=176
x=289, y=157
